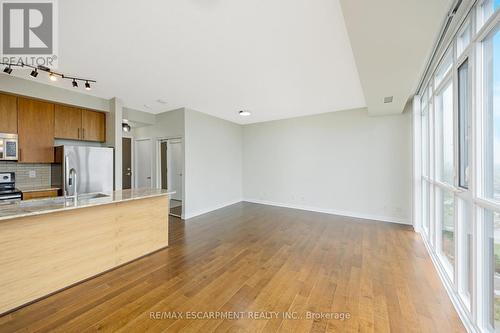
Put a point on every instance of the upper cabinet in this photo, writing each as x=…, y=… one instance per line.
x=38, y=123
x=77, y=124
x=36, y=131
x=93, y=126
x=8, y=114
x=68, y=122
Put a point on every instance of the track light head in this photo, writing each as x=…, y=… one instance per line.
x=87, y=85
x=7, y=70
x=75, y=84
x=52, y=77
x=126, y=127
x=34, y=73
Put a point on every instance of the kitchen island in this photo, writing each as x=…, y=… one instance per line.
x=50, y=244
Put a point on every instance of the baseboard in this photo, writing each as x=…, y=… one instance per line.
x=333, y=212
x=190, y=215
x=454, y=297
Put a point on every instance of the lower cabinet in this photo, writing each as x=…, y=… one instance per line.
x=40, y=194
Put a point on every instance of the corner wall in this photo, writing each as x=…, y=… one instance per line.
x=213, y=163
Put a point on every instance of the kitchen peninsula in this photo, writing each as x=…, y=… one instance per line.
x=50, y=244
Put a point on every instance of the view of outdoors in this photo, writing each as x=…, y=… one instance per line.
x=445, y=115
x=448, y=226
x=492, y=165
x=492, y=106
x=492, y=222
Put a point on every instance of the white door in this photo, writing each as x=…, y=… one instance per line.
x=142, y=163
x=175, y=166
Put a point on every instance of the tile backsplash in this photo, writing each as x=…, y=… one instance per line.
x=41, y=173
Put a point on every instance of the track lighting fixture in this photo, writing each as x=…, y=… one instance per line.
x=53, y=76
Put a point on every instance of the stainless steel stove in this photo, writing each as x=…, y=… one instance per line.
x=8, y=190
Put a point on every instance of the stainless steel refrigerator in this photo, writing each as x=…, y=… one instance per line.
x=90, y=168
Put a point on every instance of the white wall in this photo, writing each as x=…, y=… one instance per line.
x=167, y=125
x=344, y=163
x=213, y=163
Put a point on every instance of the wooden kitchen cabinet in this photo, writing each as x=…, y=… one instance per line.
x=93, y=126
x=40, y=194
x=8, y=114
x=35, y=120
x=67, y=122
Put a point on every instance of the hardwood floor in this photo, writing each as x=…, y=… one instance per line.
x=252, y=258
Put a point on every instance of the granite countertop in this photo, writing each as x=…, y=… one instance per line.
x=51, y=205
x=40, y=188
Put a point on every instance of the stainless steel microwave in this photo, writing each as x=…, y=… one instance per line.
x=9, y=147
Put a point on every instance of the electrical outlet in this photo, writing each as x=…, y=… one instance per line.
x=32, y=174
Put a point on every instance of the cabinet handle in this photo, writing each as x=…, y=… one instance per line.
x=83, y=130
x=78, y=133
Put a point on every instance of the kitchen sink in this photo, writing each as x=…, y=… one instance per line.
x=90, y=196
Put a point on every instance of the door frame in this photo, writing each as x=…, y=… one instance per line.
x=132, y=159
x=158, y=142
x=134, y=180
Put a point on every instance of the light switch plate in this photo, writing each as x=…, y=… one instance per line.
x=32, y=174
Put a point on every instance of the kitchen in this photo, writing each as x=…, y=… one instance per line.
x=60, y=203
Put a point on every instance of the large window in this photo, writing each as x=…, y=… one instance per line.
x=491, y=103
x=459, y=196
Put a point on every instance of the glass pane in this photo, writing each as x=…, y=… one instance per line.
x=491, y=74
x=463, y=124
x=425, y=207
x=463, y=39
x=444, y=68
x=492, y=226
x=444, y=135
x=448, y=226
x=466, y=252
x=425, y=142
x=488, y=8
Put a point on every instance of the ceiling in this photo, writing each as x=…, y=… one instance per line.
x=391, y=42
x=277, y=58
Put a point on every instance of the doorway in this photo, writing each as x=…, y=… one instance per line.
x=127, y=163
x=142, y=165
x=171, y=166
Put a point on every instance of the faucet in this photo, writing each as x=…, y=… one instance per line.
x=71, y=182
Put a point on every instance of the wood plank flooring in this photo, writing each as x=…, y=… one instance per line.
x=249, y=259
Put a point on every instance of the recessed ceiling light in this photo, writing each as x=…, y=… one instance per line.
x=244, y=113
x=52, y=77
x=147, y=106
x=161, y=101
